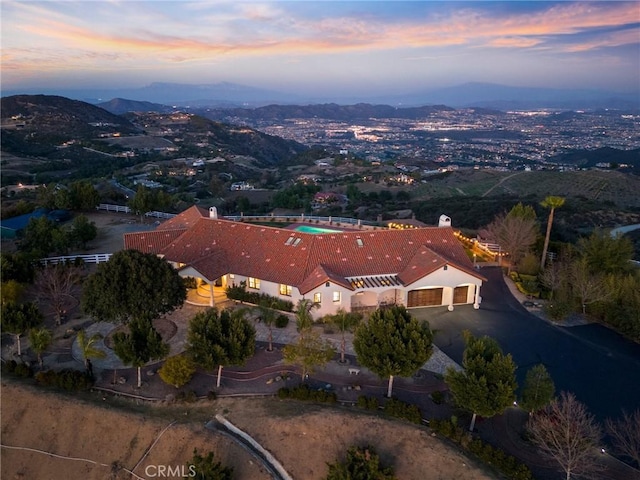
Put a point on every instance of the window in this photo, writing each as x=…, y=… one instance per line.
x=336, y=297
x=232, y=276
x=317, y=297
x=254, y=283
x=285, y=290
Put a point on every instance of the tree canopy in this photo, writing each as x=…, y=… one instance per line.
x=606, y=254
x=310, y=351
x=538, y=389
x=361, y=463
x=17, y=318
x=132, y=285
x=141, y=345
x=487, y=383
x=177, y=370
x=219, y=339
x=205, y=467
x=393, y=343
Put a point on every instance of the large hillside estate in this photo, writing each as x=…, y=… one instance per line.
x=354, y=270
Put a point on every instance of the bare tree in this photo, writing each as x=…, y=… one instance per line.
x=515, y=233
x=55, y=284
x=625, y=435
x=587, y=286
x=568, y=434
x=554, y=277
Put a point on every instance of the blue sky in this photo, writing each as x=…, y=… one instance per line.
x=321, y=47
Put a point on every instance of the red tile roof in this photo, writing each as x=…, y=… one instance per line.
x=217, y=246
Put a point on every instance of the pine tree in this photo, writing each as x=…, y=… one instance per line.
x=393, y=343
x=486, y=386
x=219, y=339
x=141, y=345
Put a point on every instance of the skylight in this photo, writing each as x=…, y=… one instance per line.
x=289, y=240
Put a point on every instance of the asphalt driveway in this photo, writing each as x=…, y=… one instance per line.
x=599, y=366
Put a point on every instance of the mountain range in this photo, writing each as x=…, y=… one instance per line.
x=486, y=95
x=38, y=125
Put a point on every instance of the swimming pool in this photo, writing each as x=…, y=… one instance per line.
x=316, y=230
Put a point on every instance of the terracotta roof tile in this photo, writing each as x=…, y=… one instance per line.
x=293, y=258
x=319, y=276
x=151, y=242
x=185, y=219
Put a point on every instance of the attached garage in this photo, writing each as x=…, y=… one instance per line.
x=460, y=294
x=425, y=297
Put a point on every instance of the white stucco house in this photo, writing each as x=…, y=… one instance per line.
x=353, y=270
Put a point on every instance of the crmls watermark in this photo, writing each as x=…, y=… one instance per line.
x=170, y=471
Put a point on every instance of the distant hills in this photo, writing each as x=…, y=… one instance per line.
x=37, y=125
x=484, y=95
x=118, y=106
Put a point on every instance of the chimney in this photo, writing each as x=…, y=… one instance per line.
x=444, y=221
x=213, y=212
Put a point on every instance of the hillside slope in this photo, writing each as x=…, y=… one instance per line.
x=302, y=437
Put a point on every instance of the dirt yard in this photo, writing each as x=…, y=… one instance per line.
x=103, y=437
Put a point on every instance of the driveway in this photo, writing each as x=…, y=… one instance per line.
x=599, y=366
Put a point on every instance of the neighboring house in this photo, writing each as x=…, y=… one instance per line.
x=355, y=270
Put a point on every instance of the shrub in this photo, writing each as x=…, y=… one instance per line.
x=360, y=463
x=448, y=428
x=369, y=403
x=10, y=366
x=67, y=379
x=23, y=370
x=399, y=409
x=305, y=393
x=507, y=464
x=437, y=397
x=205, y=466
x=187, y=397
x=282, y=321
x=211, y=395
x=177, y=371
x=557, y=310
x=239, y=292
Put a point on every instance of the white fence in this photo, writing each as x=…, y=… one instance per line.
x=113, y=208
x=125, y=209
x=93, y=258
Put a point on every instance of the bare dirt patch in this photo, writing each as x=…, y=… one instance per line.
x=302, y=437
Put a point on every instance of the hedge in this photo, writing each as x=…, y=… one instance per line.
x=67, y=379
x=240, y=294
x=486, y=453
x=304, y=392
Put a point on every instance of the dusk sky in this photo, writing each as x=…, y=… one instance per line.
x=324, y=47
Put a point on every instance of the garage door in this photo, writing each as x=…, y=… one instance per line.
x=425, y=297
x=460, y=294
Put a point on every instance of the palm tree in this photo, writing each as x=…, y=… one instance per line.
x=345, y=322
x=40, y=339
x=304, y=319
x=88, y=348
x=551, y=202
x=268, y=317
